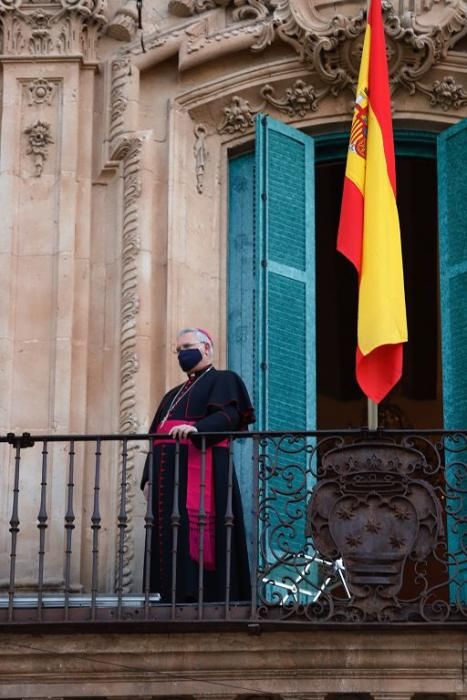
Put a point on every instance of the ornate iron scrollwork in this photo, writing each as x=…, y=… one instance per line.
x=372, y=509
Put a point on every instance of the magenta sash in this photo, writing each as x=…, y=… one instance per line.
x=193, y=498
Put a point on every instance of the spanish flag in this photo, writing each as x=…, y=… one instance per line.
x=369, y=233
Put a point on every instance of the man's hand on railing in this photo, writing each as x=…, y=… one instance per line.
x=182, y=431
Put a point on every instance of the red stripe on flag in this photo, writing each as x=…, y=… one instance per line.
x=350, y=234
x=378, y=86
x=380, y=370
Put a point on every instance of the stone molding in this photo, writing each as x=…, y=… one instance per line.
x=56, y=30
x=121, y=70
x=302, y=98
x=124, y=147
x=129, y=153
x=296, y=101
x=222, y=663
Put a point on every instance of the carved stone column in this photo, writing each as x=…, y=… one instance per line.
x=48, y=52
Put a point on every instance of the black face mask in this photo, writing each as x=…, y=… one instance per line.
x=189, y=358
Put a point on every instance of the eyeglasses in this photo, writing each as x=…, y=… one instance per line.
x=185, y=346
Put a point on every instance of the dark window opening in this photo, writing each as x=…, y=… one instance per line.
x=416, y=401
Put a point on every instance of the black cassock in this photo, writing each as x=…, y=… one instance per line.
x=214, y=401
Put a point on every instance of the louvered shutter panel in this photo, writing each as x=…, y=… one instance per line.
x=241, y=317
x=452, y=201
x=286, y=349
x=241, y=271
x=286, y=277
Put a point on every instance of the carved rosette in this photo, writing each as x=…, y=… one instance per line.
x=41, y=91
x=56, y=29
x=373, y=508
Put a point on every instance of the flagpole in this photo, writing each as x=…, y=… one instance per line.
x=372, y=415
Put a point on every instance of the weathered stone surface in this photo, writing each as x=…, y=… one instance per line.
x=309, y=664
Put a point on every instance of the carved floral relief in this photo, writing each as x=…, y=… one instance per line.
x=297, y=100
x=239, y=116
x=39, y=139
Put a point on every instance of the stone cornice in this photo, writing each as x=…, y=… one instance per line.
x=223, y=662
x=327, y=44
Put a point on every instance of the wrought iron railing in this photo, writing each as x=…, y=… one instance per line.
x=343, y=527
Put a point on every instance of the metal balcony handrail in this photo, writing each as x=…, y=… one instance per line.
x=309, y=564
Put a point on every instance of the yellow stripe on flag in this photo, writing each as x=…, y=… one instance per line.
x=381, y=309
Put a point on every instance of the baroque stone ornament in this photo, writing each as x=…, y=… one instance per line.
x=199, y=151
x=9, y=4
x=373, y=508
x=328, y=37
x=121, y=69
x=124, y=23
x=39, y=139
x=40, y=91
x=297, y=100
x=129, y=151
x=55, y=29
x=445, y=93
x=239, y=116
x=185, y=8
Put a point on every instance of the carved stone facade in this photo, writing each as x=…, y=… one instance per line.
x=67, y=28
x=113, y=186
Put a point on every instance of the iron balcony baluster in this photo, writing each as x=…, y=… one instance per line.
x=202, y=527
x=95, y=527
x=175, y=522
x=42, y=526
x=122, y=525
x=229, y=523
x=69, y=526
x=148, y=530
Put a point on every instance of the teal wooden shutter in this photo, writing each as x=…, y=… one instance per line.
x=271, y=325
x=286, y=351
x=452, y=194
x=241, y=314
x=286, y=277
